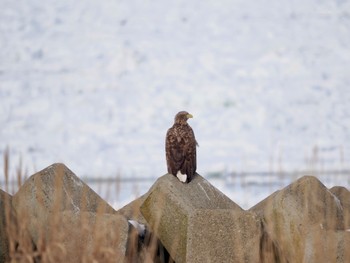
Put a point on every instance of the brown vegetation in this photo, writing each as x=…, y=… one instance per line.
x=56, y=217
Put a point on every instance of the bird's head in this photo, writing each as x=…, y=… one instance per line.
x=182, y=117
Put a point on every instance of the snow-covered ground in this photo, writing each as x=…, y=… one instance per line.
x=96, y=84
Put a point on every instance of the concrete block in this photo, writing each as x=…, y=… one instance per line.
x=326, y=246
x=50, y=191
x=132, y=210
x=289, y=213
x=6, y=219
x=223, y=235
x=170, y=209
x=343, y=194
x=86, y=237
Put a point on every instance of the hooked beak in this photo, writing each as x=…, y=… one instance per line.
x=189, y=116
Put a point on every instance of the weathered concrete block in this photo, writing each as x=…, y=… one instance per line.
x=6, y=215
x=223, y=235
x=290, y=212
x=326, y=246
x=343, y=195
x=147, y=248
x=15, y=240
x=132, y=210
x=137, y=250
x=170, y=209
x=50, y=191
x=86, y=237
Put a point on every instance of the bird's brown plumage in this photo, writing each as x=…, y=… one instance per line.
x=180, y=147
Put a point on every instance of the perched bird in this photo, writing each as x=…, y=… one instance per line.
x=180, y=148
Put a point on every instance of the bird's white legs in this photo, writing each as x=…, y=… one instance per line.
x=182, y=177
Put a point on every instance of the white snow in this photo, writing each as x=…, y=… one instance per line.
x=96, y=84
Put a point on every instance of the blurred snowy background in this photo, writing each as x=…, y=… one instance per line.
x=96, y=84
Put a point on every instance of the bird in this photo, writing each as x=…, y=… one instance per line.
x=180, y=148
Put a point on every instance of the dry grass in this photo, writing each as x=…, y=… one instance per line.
x=55, y=246
x=68, y=236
